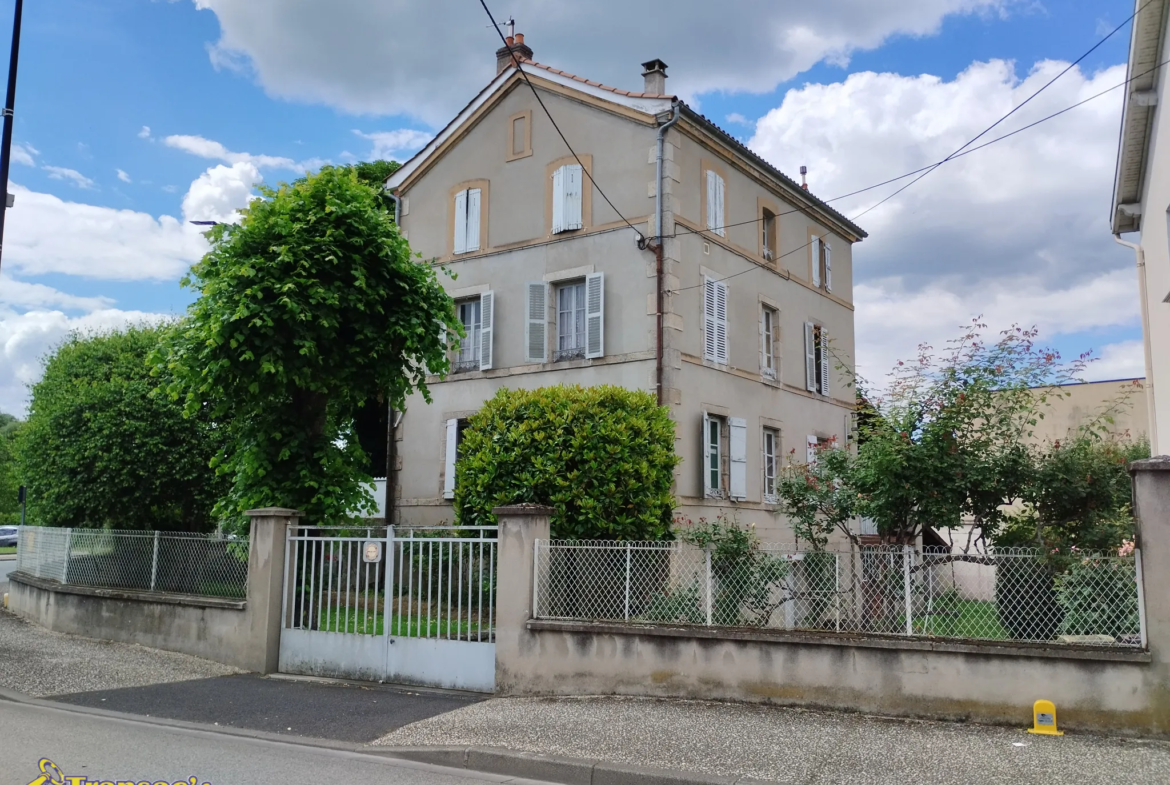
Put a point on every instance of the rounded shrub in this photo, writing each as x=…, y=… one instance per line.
x=602, y=457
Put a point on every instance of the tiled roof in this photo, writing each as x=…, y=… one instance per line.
x=745, y=150
x=590, y=82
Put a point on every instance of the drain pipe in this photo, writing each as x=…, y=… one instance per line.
x=397, y=208
x=1140, y=258
x=658, y=251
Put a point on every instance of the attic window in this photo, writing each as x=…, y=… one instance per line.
x=520, y=135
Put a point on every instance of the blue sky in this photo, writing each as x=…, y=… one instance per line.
x=275, y=78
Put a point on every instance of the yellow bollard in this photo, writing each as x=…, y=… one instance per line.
x=1044, y=719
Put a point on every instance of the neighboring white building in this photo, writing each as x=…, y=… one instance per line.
x=1141, y=201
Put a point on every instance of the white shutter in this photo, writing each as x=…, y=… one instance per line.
x=473, y=219
x=706, y=453
x=558, y=197
x=595, y=315
x=825, y=362
x=721, y=322
x=810, y=450
x=810, y=358
x=711, y=224
x=461, y=222
x=487, y=318
x=573, y=186
x=828, y=267
x=709, y=345
x=535, y=341
x=816, y=260
x=449, y=463
x=738, y=452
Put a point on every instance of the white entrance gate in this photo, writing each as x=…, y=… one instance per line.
x=415, y=606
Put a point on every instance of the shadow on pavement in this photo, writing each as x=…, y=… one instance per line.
x=346, y=711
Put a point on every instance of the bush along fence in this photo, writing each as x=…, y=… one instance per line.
x=1018, y=594
x=194, y=564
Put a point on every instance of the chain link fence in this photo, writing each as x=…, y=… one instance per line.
x=208, y=566
x=1005, y=595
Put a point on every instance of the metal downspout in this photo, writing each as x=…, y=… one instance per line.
x=1140, y=258
x=658, y=251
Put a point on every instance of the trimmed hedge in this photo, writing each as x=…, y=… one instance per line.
x=602, y=457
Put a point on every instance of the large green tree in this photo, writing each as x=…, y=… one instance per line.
x=102, y=447
x=9, y=473
x=310, y=308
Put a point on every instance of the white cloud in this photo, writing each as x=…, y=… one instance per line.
x=145, y=133
x=220, y=192
x=26, y=337
x=1124, y=360
x=23, y=154
x=46, y=234
x=365, y=57
x=1018, y=232
x=72, y=175
x=207, y=148
x=735, y=118
x=20, y=294
x=891, y=321
x=123, y=176
x=395, y=144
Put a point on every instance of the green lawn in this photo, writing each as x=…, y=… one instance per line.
x=358, y=620
x=952, y=617
x=11, y=549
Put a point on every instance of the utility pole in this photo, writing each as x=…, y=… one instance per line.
x=9, y=106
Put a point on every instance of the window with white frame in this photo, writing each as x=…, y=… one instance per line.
x=817, y=358
x=724, y=438
x=570, y=321
x=715, y=196
x=477, y=316
x=712, y=456
x=567, y=190
x=714, y=321
x=771, y=450
x=821, y=261
x=768, y=234
x=467, y=209
x=769, y=337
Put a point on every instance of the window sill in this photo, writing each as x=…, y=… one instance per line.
x=568, y=355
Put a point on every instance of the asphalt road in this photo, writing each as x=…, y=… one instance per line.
x=109, y=749
x=337, y=711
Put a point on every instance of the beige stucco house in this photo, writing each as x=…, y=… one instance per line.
x=1141, y=201
x=1116, y=406
x=742, y=324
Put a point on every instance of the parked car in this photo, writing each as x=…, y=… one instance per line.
x=7, y=536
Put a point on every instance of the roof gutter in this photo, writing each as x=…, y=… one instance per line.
x=659, y=254
x=1140, y=259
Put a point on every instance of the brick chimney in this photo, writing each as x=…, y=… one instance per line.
x=515, y=44
x=654, y=72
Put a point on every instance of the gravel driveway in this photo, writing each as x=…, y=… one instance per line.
x=40, y=663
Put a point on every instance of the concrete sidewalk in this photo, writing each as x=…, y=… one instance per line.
x=722, y=740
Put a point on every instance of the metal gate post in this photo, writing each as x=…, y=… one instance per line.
x=708, y=562
x=154, y=564
x=68, y=555
x=1141, y=595
x=388, y=597
x=906, y=552
x=627, y=581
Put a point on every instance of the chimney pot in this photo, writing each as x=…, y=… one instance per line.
x=514, y=44
x=654, y=74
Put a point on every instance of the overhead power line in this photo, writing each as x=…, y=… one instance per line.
x=539, y=100
x=927, y=168
x=962, y=150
